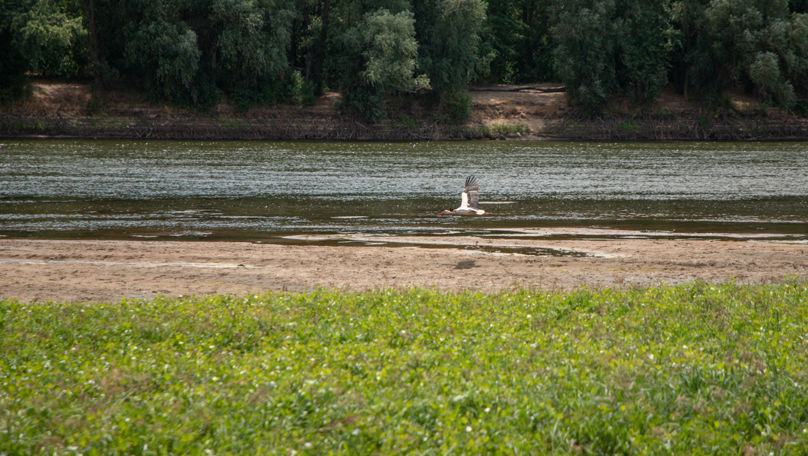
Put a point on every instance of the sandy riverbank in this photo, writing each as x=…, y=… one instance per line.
x=536, y=112
x=93, y=270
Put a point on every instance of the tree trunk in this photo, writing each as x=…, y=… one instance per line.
x=318, y=77
x=89, y=6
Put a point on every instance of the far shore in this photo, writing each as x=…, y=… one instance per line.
x=535, y=112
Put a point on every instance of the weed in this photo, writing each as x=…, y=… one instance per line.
x=691, y=369
x=629, y=126
x=703, y=122
x=410, y=122
x=508, y=130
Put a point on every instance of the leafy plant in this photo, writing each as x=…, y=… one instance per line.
x=692, y=369
x=378, y=60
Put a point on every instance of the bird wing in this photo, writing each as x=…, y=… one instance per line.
x=471, y=194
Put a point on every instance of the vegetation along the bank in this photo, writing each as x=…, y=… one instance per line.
x=197, y=53
x=691, y=369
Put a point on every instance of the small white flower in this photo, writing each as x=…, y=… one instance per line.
x=468, y=428
x=651, y=356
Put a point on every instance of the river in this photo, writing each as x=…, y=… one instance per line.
x=269, y=191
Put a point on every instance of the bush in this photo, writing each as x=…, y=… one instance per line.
x=765, y=73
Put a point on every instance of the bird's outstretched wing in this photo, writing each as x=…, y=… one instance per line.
x=472, y=190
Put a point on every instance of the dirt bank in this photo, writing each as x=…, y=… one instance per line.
x=108, y=270
x=58, y=110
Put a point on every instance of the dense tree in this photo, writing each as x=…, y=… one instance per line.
x=585, y=35
x=798, y=6
x=642, y=59
x=686, y=17
x=166, y=56
x=193, y=52
x=378, y=59
x=391, y=47
x=606, y=48
x=309, y=40
x=52, y=37
x=797, y=57
x=754, y=44
x=518, y=33
x=449, y=34
x=12, y=63
x=252, y=38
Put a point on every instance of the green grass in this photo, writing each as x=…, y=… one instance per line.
x=695, y=369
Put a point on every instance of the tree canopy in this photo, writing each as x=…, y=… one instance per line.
x=196, y=53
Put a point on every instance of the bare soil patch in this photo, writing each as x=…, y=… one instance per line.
x=532, y=108
x=94, y=270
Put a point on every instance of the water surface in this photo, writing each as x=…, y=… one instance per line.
x=264, y=191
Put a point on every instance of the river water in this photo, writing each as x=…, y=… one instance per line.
x=267, y=191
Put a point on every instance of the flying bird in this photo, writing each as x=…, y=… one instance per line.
x=469, y=200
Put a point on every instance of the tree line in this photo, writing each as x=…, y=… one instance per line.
x=252, y=52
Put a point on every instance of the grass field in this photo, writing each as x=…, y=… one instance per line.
x=695, y=369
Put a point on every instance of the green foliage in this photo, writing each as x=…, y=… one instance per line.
x=765, y=73
x=52, y=39
x=750, y=43
x=166, y=54
x=12, y=63
x=731, y=29
x=456, y=104
x=606, y=48
x=796, y=52
x=193, y=52
x=517, y=32
x=585, y=33
x=390, y=51
x=379, y=59
x=390, y=48
x=449, y=34
x=251, y=42
x=692, y=369
x=642, y=54
x=45, y=37
x=503, y=130
x=798, y=6
x=256, y=51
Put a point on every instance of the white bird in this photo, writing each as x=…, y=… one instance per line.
x=469, y=200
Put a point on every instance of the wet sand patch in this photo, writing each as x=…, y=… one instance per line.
x=107, y=270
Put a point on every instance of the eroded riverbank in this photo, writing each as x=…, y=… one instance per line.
x=538, y=112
